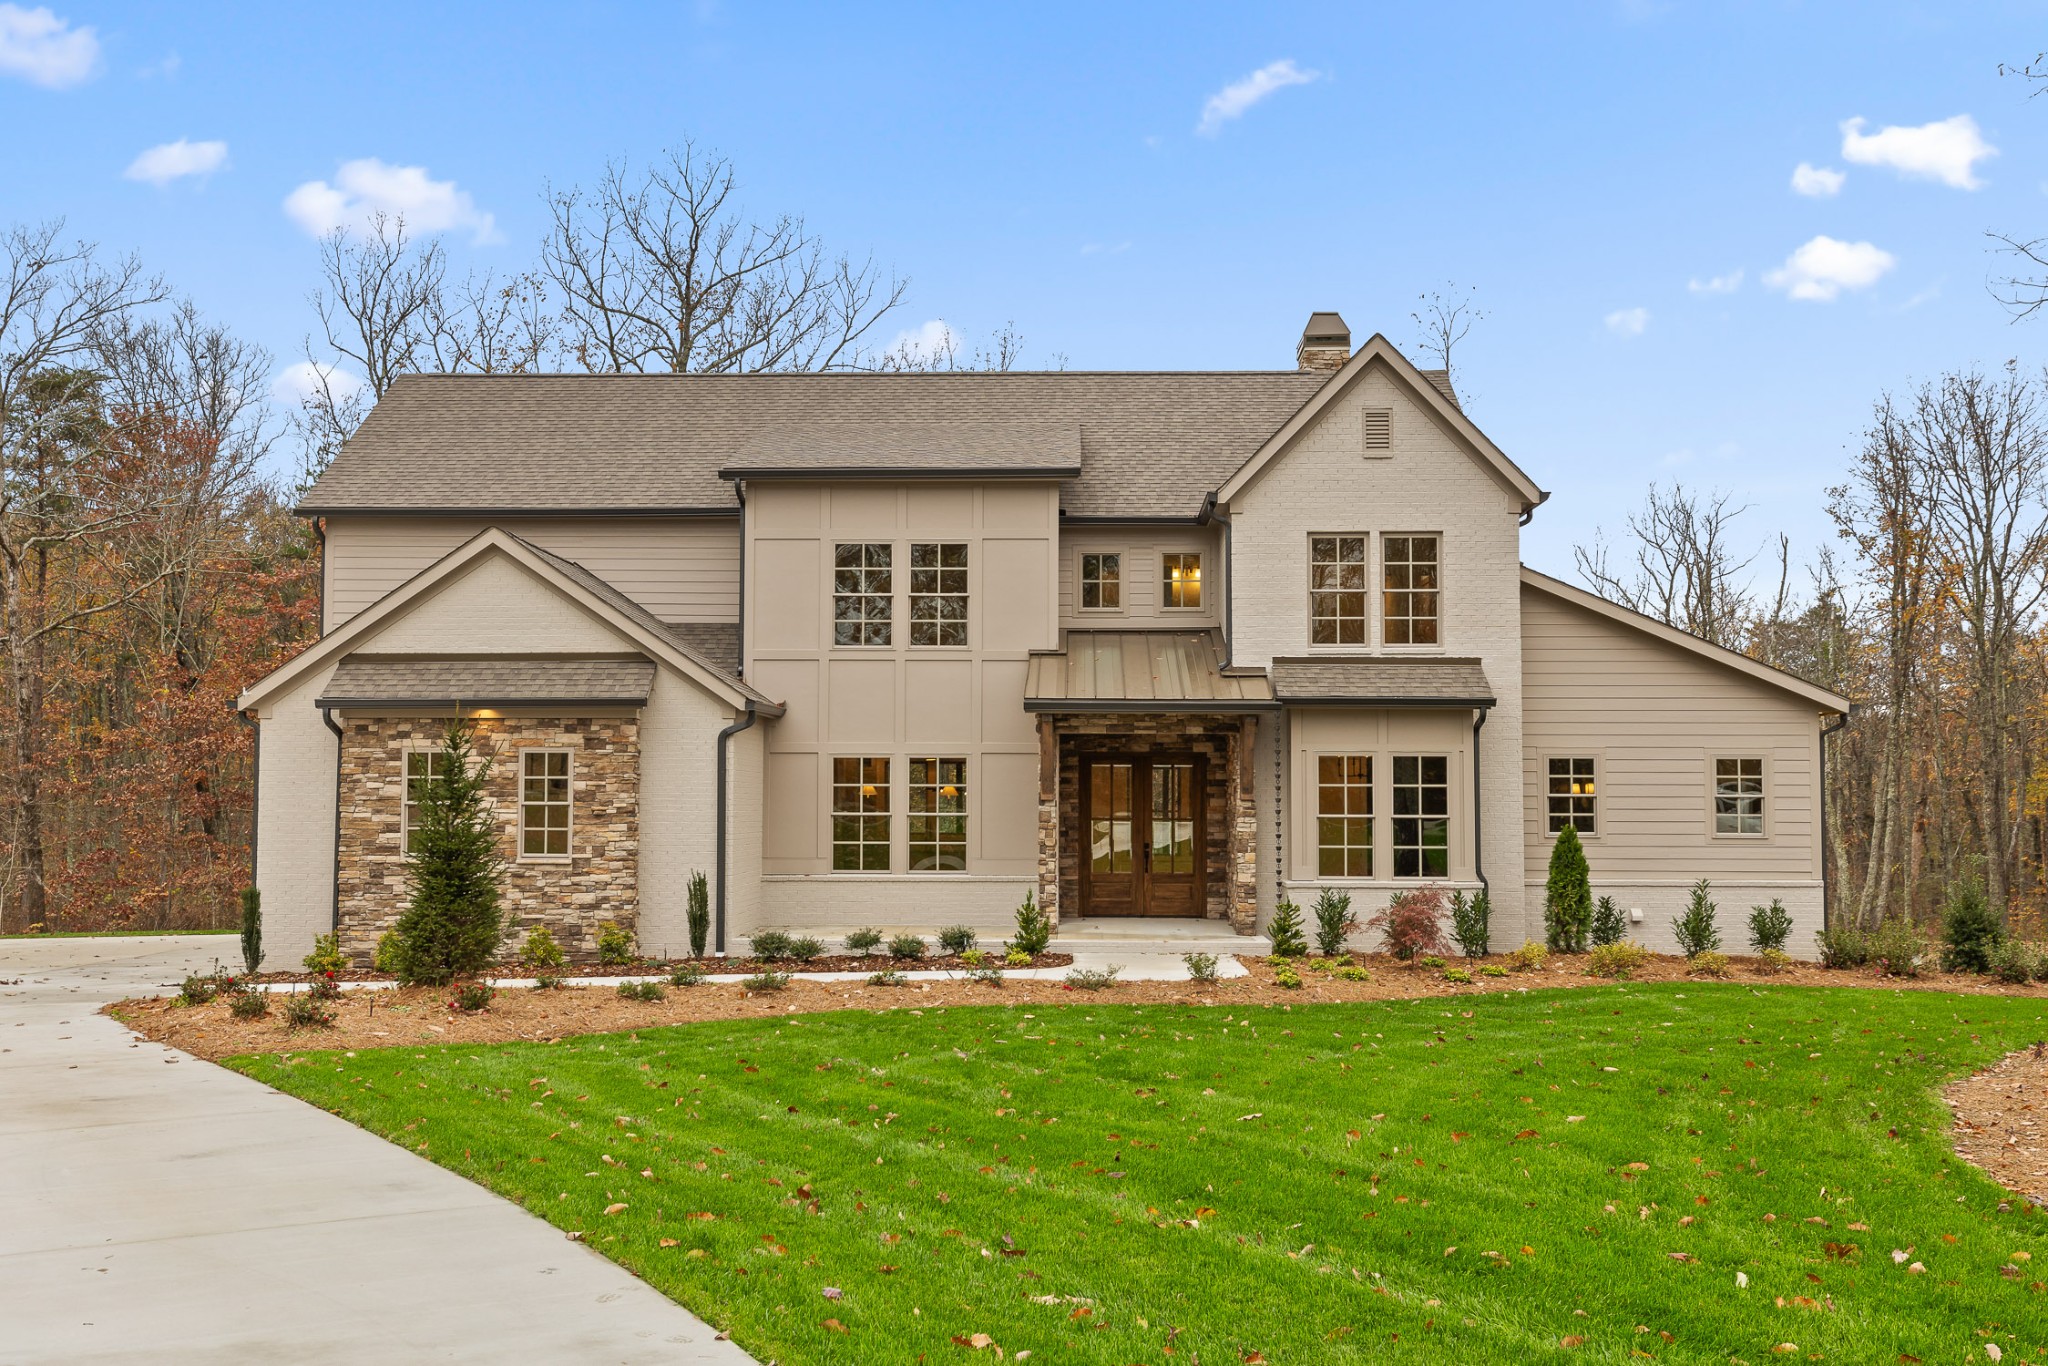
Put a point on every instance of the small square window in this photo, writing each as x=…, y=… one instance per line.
x=860, y=815
x=544, y=803
x=1102, y=588
x=1738, y=796
x=1180, y=579
x=1570, y=794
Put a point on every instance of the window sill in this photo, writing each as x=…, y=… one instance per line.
x=545, y=858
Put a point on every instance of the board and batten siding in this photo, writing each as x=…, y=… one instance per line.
x=1141, y=547
x=684, y=569
x=1654, y=717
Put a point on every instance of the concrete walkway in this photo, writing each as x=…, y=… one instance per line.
x=158, y=1208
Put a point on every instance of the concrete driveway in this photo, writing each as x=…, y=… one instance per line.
x=158, y=1208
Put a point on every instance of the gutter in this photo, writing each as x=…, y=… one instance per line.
x=1827, y=881
x=747, y=719
x=1478, y=844
x=327, y=715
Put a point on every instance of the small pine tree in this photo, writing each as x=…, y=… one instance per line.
x=1034, y=928
x=1285, y=930
x=700, y=913
x=1568, y=894
x=1609, y=926
x=1970, y=929
x=252, y=930
x=1695, y=929
x=451, y=927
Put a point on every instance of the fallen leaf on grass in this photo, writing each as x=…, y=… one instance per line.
x=834, y=1324
x=613, y=1209
x=1575, y=1340
x=668, y=1242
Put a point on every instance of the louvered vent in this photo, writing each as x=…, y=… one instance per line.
x=1379, y=429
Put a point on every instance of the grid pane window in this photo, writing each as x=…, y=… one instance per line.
x=1102, y=586
x=862, y=593
x=938, y=593
x=1422, y=815
x=1410, y=592
x=1570, y=795
x=1738, y=796
x=544, y=802
x=938, y=815
x=421, y=767
x=1180, y=580
x=1344, y=815
x=1336, y=590
x=860, y=815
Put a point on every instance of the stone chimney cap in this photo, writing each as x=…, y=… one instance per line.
x=1327, y=328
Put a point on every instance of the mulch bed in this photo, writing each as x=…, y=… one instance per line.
x=662, y=967
x=2002, y=1122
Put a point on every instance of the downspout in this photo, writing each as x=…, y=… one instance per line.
x=1827, y=883
x=1203, y=518
x=327, y=715
x=256, y=784
x=1478, y=845
x=746, y=720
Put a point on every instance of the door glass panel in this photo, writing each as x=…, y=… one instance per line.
x=1173, y=818
x=1109, y=818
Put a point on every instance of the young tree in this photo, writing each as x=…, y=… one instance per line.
x=452, y=925
x=1568, y=894
x=1684, y=572
x=1443, y=318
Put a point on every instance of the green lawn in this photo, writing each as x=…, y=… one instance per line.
x=1435, y=1180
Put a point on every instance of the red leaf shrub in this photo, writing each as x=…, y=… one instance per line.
x=1412, y=924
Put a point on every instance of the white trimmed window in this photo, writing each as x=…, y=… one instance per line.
x=860, y=815
x=1570, y=794
x=421, y=767
x=544, y=807
x=938, y=593
x=1422, y=815
x=1102, y=586
x=1410, y=590
x=1344, y=815
x=1180, y=579
x=1738, y=796
x=863, y=589
x=938, y=815
x=1336, y=590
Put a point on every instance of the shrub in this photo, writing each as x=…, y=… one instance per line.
x=1567, y=894
x=1842, y=946
x=249, y=1005
x=1284, y=929
x=1970, y=930
x=907, y=948
x=326, y=955
x=1287, y=977
x=1017, y=958
x=1610, y=926
x=1034, y=927
x=451, y=923
x=687, y=975
x=1619, y=960
x=1469, y=917
x=957, y=939
x=864, y=941
x=302, y=1011
x=1770, y=962
x=1351, y=972
x=321, y=988
x=700, y=913
x=1093, y=979
x=1412, y=923
x=1694, y=928
x=472, y=997
x=2041, y=963
x=1334, y=921
x=1708, y=963
x=1201, y=966
x=770, y=944
x=252, y=930
x=989, y=974
x=765, y=981
x=1458, y=975
x=805, y=949
x=385, y=959
x=641, y=991
x=614, y=944
x=1769, y=926
x=888, y=977
x=1430, y=960
x=1492, y=970
x=1529, y=957
x=973, y=958
x=540, y=955
x=1898, y=949
x=198, y=989
x=2014, y=961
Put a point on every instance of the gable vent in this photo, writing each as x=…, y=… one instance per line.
x=1379, y=429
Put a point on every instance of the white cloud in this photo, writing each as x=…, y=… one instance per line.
x=44, y=50
x=1628, y=322
x=1234, y=99
x=1824, y=267
x=926, y=343
x=1948, y=150
x=166, y=162
x=297, y=383
x=367, y=186
x=1817, y=182
x=1717, y=284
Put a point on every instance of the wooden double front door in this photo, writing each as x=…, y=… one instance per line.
x=1144, y=834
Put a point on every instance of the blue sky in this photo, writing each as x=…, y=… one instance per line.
x=1588, y=168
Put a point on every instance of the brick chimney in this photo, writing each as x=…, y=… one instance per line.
x=1325, y=343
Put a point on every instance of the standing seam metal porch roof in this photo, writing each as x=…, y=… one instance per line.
x=1142, y=671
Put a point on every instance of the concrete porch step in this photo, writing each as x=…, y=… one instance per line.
x=1154, y=935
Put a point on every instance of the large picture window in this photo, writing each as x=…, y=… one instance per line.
x=544, y=803
x=938, y=815
x=862, y=593
x=1180, y=579
x=1422, y=815
x=1336, y=590
x=1102, y=587
x=1344, y=815
x=1738, y=796
x=421, y=768
x=1570, y=794
x=860, y=815
x=938, y=593
x=1410, y=591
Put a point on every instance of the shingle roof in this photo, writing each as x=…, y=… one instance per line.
x=1385, y=681
x=419, y=680
x=1141, y=671
x=1151, y=444
x=1014, y=449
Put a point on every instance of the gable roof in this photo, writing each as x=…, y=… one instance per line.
x=918, y=450
x=1150, y=444
x=1824, y=698
x=495, y=681
x=1431, y=393
x=572, y=580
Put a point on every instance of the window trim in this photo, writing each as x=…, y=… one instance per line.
x=911, y=814
x=1372, y=814
x=1386, y=640
x=888, y=813
x=834, y=596
x=1365, y=642
x=1599, y=758
x=1450, y=818
x=405, y=801
x=569, y=829
x=966, y=595
x=1201, y=591
x=1080, y=581
x=1766, y=770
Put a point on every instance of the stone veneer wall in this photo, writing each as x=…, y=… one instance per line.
x=598, y=882
x=1231, y=881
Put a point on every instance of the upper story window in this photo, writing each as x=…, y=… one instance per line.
x=1410, y=590
x=1336, y=590
x=860, y=815
x=1180, y=579
x=938, y=593
x=422, y=766
x=1738, y=796
x=938, y=815
x=862, y=592
x=1102, y=581
x=1570, y=794
x=544, y=803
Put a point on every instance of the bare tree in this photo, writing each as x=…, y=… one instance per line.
x=661, y=271
x=1443, y=319
x=1683, y=571
x=1000, y=351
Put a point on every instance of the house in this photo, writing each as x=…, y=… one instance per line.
x=902, y=649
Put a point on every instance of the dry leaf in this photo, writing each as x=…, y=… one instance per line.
x=834, y=1324
x=1573, y=1341
x=613, y=1209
